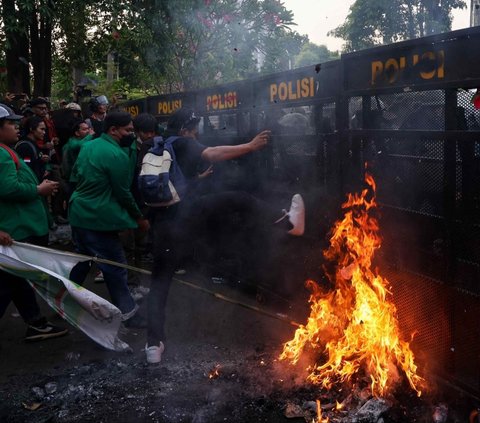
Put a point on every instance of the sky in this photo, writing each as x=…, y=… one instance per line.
x=316, y=17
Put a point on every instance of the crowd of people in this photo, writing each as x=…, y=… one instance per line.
x=61, y=167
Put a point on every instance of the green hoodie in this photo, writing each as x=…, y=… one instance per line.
x=102, y=200
x=22, y=211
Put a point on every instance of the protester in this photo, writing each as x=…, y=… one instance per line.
x=39, y=107
x=24, y=218
x=171, y=224
x=102, y=205
x=33, y=149
x=62, y=119
x=80, y=134
x=98, y=107
x=75, y=108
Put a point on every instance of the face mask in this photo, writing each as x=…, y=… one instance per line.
x=127, y=140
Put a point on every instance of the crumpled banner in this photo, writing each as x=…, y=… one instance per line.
x=47, y=270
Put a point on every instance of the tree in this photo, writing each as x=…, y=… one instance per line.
x=281, y=50
x=212, y=41
x=162, y=44
x=30, y=25
x=15, y=26
x=312, y=53
x=373, y=22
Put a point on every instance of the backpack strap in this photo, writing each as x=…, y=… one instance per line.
x=12, y=154
x=30, y=144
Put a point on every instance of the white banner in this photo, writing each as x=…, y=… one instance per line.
x=47, y=271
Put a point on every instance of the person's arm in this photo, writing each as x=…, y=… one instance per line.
x=12, y=189
x=228, y=152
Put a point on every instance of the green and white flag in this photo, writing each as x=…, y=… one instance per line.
x=48, y=270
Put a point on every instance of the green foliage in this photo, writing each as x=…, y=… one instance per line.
x=312, y=53
x=281, y=50
x=374, y=22
x=212, y=42
x=159, y=45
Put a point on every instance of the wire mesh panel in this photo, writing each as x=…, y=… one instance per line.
x=424, y=313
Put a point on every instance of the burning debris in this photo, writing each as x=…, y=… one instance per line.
x=215, y=372
x=354, y=326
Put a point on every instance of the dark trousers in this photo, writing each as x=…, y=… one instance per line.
x=18, y=290
x=174, y=228
x=105, y=245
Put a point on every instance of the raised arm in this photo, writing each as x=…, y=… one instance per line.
x=227, y=152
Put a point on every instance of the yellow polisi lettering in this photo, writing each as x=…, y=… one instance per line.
x=292, y=90
x=223, y=101
x=392, y=69
x=168, y=107
x=377, y=69
x=133, y=110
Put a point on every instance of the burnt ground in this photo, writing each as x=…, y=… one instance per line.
x=71, y=379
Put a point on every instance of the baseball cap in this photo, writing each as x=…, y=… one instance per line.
x=182, y=119
x=8, y=114
x=73, y=106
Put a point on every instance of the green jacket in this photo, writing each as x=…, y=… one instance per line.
x=102, y=200
x=22, y=211
x=70, y=153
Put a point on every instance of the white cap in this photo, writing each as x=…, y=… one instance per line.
x=7, y=113
x=73, y=106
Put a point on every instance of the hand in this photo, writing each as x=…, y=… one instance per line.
x=5, y=239
x=25, y=99
x=47, y=188
x=9, y=97
x=260, y=140
x=143, y=224
x=206, y=173
x=54, y=141
x=45, y=158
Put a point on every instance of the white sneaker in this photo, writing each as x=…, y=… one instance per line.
x=296, y=215
x=154, y=353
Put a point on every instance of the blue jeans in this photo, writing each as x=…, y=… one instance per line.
x=105, y=245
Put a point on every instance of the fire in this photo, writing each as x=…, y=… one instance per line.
x=215, y=372
x=355, y=324
x=319, y=418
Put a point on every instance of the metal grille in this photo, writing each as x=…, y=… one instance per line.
x=423, y=309
x=420, y=110
x=445, y=321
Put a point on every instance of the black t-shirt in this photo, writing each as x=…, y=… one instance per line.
x=188, y=152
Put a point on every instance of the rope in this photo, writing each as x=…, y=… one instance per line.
x=217, y=295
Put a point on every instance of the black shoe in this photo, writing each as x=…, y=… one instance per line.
x=44, y=331
x=137, y=322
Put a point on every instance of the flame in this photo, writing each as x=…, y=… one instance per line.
x=215, y=372
x=355, y=324
x=319, y=418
